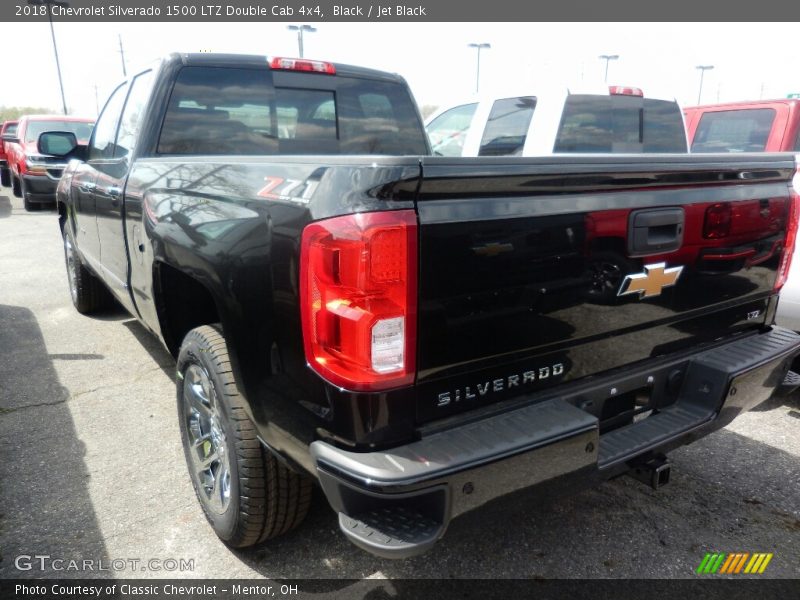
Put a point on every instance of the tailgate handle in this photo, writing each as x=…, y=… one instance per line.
x=655, y=231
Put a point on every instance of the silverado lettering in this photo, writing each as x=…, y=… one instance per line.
x=502, y=384
x=333, y=293
x=131, y=11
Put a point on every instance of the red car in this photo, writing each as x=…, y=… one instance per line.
x=34, y=176
x=754, y=126
x=8, y=128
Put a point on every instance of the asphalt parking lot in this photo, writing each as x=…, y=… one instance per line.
x=91, y=467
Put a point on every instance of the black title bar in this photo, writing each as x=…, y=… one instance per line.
x=398, y=11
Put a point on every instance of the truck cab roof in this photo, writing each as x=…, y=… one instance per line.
x=210, y=59
x=532, y=123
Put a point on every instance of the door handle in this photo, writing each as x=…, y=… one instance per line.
x=114, y=191
x=86, y=188
x=655, y=231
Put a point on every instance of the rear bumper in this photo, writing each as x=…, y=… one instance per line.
x=396, y=503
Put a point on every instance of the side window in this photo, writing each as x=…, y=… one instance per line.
x=507, y=126
x=105, y=131
x=797, y=142
x=132, y=115
x=448, y=131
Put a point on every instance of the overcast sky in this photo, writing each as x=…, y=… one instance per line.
x=751, y=60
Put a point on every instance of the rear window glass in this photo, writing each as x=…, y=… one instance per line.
x=507, y=127
x=744, y=130
x=216, y=110
x=616, y=123
x=82, y=131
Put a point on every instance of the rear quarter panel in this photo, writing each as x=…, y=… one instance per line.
x=234, y=226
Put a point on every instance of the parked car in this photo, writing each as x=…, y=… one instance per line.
x=415, y=333
x=753, y=126
x=615, y=119
x=8, y=128
x=34, y=176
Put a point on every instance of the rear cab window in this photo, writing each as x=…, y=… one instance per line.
x=740, y=130
x=620, y=124
x=507, y=127
x=216, y=110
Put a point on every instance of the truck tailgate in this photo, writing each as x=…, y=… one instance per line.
x=540, y=271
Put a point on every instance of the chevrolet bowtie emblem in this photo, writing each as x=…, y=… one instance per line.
x=650, y=283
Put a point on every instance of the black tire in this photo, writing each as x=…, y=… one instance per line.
x=87, y=292
x=16, y=187
x=5, y=177
x=247, y=495
x=27, y=204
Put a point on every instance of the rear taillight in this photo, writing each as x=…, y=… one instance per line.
x=791, y=233
x=718, y=221
x=358, y=298
x=622, y=90
x=302, y=64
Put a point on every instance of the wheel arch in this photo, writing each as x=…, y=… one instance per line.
x=182, y=303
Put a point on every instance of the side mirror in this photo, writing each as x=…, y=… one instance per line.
x=10, y=137
x=57, y=143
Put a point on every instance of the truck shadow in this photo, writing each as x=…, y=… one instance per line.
x=114, y=312
x=45, y=504
x=5, y=207
x=153, y=346
x=718, y=501
x=792, y=399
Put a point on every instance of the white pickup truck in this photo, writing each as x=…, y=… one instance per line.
x=559, y=120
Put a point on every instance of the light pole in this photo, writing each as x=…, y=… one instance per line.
x=122, y=56
x=480, y=46
x=608, y=58
x=49, y=4
x=300, y=29
x=703, y=69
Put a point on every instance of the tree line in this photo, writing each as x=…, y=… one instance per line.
x=12, y=113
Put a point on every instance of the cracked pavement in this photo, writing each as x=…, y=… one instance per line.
x=92, y=468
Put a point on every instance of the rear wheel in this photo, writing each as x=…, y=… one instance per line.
x=5, y=177
x=247, y=495
x=607, y=269
x=87, y=292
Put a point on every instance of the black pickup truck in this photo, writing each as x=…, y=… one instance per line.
x=417, y=334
